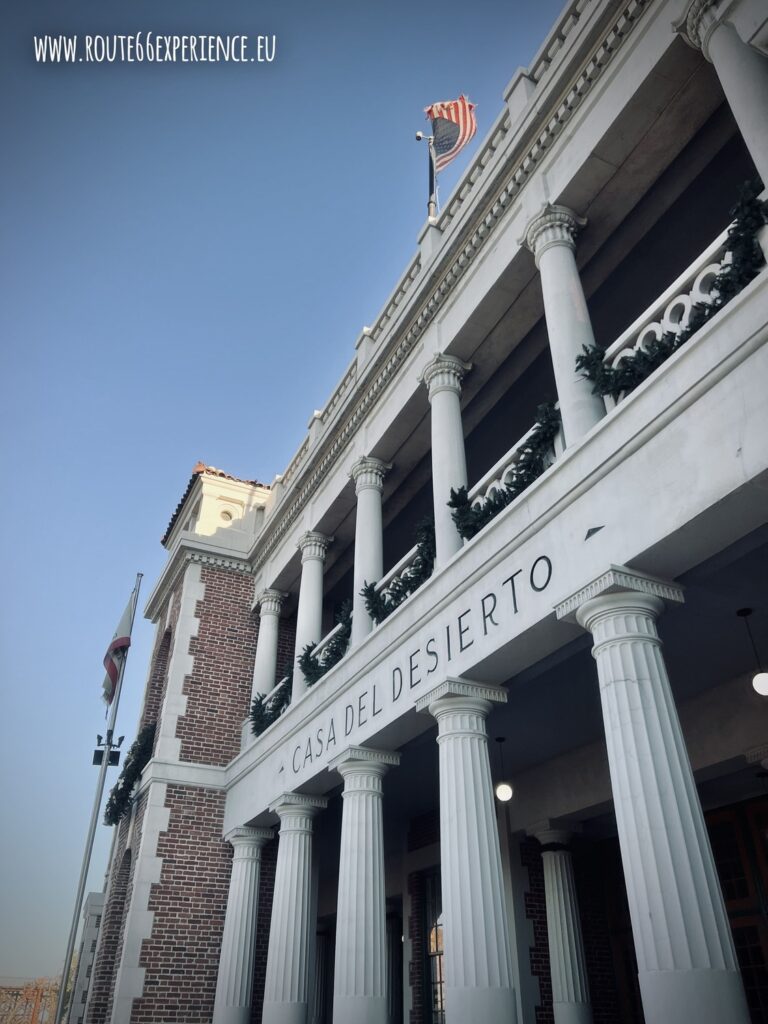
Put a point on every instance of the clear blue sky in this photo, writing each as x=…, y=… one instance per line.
x=188, y=255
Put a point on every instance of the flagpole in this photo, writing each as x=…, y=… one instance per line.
x=432, y=202
x=57, y=1018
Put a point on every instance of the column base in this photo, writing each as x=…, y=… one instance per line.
x=707, y=997
x=360, y=1010
x=473, y=1005
x=233, y=1015
x=572, y=1013
x=285, y=1013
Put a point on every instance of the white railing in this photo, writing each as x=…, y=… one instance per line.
x=318, y=649
x=502, y=474
x=398, y=568
x=671, y=312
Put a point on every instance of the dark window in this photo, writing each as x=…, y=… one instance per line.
x=433, y=931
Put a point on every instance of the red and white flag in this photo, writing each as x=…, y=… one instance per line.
x=118, y=650
x=453, y=125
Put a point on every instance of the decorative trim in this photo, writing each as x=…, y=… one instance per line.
x=458, y=261
x=245, y=835
x=364, y=754
x=313, y=545
x=555, y=225
x=455, y=687
x=298, y=802
x=179, y=773
x=616, y=579
x=698, y=23
x=444, y=373
x=270, y=601
x=368, y=474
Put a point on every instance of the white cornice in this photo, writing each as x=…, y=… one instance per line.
x=458, y=254
x=203, y=776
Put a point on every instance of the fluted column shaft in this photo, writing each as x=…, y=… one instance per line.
x=360, y=977
x=234, y=985
x=442, y=378
x=368, y=475
x=286, y=988
x=570, y=988
x=309, y=615
x=551, y=237
x=743, y=74
x=477, y=961
x=686, y=961
x=319, y=991
x=265, y=666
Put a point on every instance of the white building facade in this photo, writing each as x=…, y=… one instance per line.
x=351, y=862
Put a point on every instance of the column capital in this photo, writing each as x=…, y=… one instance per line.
x=363, y=760
x=313, y=545
x=618, y=580
x=444, y=373
x=246, y=840
x=699, y=21
x=271, y=601
x=551, y=839
x=455, y=694
x=554, y=225
x=288, y=804
x=369, y=473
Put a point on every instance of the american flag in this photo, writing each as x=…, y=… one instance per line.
x=453, y=125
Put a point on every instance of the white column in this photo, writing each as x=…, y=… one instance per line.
x=478, y=971
x=743, y=74
x=360, y=977
x=368, y=474
x=309, y=616
x=551, y=238
x=686, y=962
x=443, y=377
x=265, y=666
x=286, y=988
x=234, y=986
x=570, y=989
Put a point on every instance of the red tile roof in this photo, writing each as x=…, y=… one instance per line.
x=200, y=469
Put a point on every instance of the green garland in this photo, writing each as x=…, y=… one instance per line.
x=267, y=707
x=314, y=667
x=532, y=461
x=136, y=760
x=381, y=603
x=748, y=216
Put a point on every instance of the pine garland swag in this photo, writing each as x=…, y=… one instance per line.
x=381, y=603
x=532, y=461
x=136, y=760
x=267, y=707
x=746, y=260
x=314, y=667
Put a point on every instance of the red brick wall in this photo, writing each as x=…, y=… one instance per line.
x=263, y=919
x=157, y=681
x=536, y=911
x=219, y=688
x=181, y=956
x=105, y=963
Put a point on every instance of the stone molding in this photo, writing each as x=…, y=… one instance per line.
x=369, y=473
x=699, y=22
x=270, y=601
x=616, y=579
x=455, y=687
x=444, y=373
x=555, y=225
x=245, y=839
x=363, y=755
x=299, y=802
x=459, y=261
x=313, y=545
